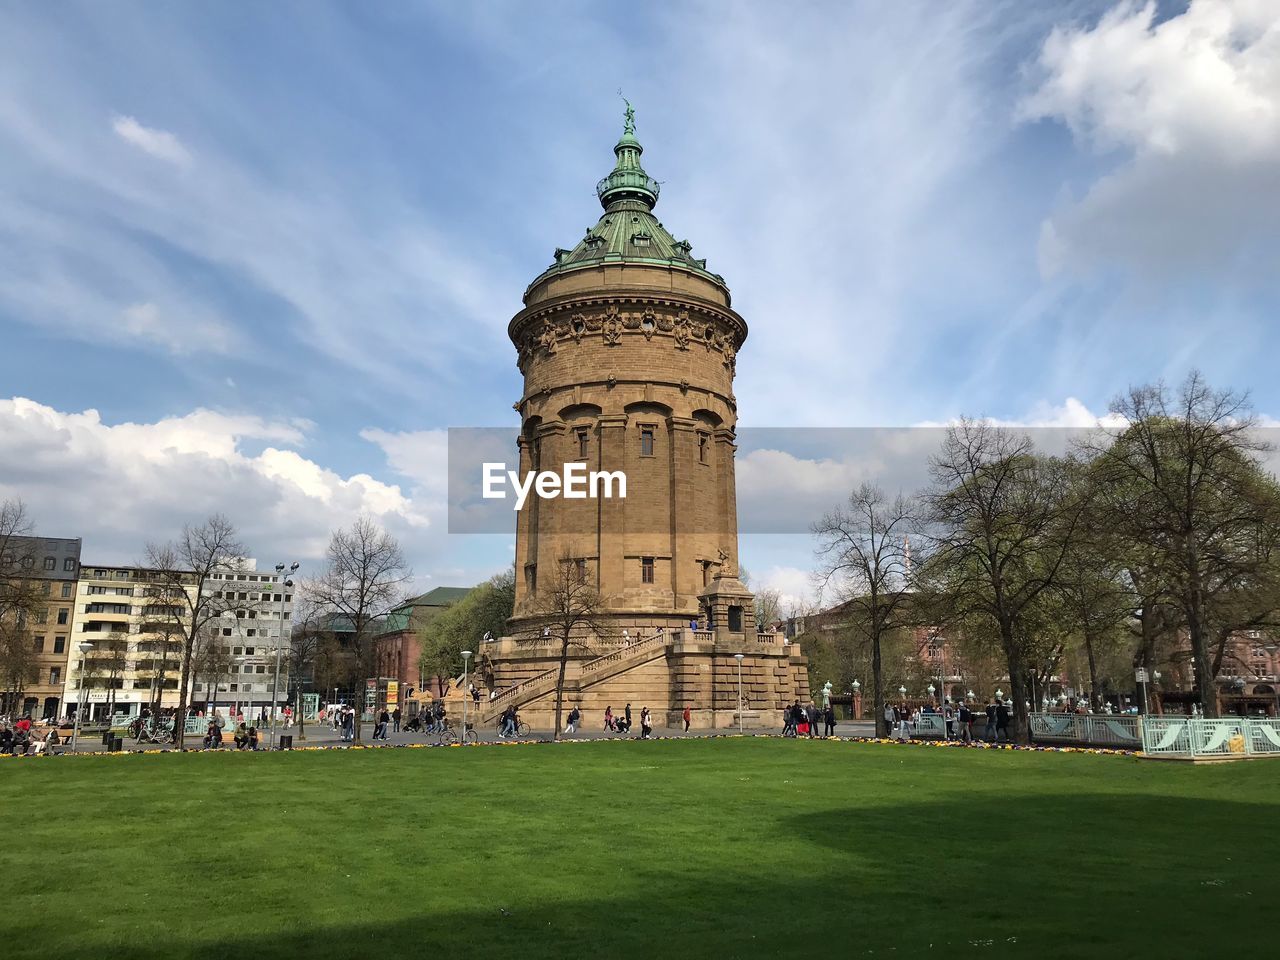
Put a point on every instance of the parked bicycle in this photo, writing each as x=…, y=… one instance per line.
x=447, y=735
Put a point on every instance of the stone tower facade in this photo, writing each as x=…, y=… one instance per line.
x=628, y=346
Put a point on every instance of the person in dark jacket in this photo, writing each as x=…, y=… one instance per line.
x=1002, y=721
x=829, y=721
x=812, y=716
x=990, y=732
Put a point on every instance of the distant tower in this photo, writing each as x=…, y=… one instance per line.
x=628, y=346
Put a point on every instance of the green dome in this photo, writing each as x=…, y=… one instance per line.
x=628, y=231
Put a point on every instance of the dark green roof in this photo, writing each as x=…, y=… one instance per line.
x=628, y=230
x=399, y=618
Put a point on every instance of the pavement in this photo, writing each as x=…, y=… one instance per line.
x=322, y=735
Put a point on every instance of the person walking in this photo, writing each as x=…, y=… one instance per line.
x=627, y=717
x=1002, y=721
x=811, y=715
x=609, y=725
x=788, y=720
x=829, y=721
x=890, y=716
x=990, y=732
x=574, y=716
x=646, y=723
x=686, y=717
x=395, y=720
x=966, y=723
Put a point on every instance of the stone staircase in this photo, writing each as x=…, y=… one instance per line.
x=577, y=676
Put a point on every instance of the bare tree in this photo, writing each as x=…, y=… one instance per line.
x=864, y=556
x=1183, y=485
x=363, y=578
x=571, y=612
x=185, y=569
x=1001, y=522
x=211, y=664
x=20, y=604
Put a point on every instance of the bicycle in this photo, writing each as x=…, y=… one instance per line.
x=447, y=736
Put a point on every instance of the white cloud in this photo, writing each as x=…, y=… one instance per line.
x=192, y=331
x=1191, y=105
x=118, y=485
x=160, y=144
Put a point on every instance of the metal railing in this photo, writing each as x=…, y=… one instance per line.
x=1101, y=730
x=1205, y=737
x=648, y=645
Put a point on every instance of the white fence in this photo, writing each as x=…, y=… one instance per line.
x=1203, y=737
x=1101, y=730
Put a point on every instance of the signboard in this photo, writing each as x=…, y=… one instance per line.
x=1141, y=676
x=370, y=694
x=393, y=693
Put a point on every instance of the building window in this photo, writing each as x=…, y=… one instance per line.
x=50, y=563
x=646, y=441
x=251, y=633
x=531, y=577
x=66, y=591
x=702, y=448
x=581, y=433
x=646, y=569
x=63, y=614
x=55, y=674
x=59, y=644
x=38, y=644
x=69, y=564
x=28, y=563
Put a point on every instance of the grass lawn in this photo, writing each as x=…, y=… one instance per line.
x=697, y=848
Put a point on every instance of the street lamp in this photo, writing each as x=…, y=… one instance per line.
x=999, y=694
x=275, y=681
x=85, y=646
x=854, y=712
x=738, y=657
x=240, y=662
x=466, y=670
x=902, y=693
x=930, y=688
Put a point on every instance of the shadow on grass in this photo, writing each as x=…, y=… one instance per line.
x=1080, y=875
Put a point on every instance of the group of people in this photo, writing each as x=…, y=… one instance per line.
x=244, y=737
x=958, y=720
x=509, y=723
x=19, y=739
x=802, y=720
x=342, y=719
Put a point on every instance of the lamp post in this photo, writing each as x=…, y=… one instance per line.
x=275, y=681
x=466, y=672
x=240, y=662
x=738, y=657
x=85, y=646
x=853, y=707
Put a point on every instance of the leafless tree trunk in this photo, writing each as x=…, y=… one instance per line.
x=864, y=555
x=185, y=569
x=363, y=577
x=572, y=608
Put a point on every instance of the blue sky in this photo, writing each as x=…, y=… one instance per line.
x=256, y=257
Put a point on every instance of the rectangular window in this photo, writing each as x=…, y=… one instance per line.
x=44, y=588
x=702, y=448
x=251, y=633
x=582, y=442
x=63, y=614
x=42, y=616
x=50, y=563
x=226, y=631
x=59, y=644
x=66, y=591
x=55, y=674
x=38, y=644
x=69, y=565
x=646, y=441
x=646, y=569
x=531, y=577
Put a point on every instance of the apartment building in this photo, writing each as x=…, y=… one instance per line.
x=236, y=660
x=44, y=570
x=127, y=639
